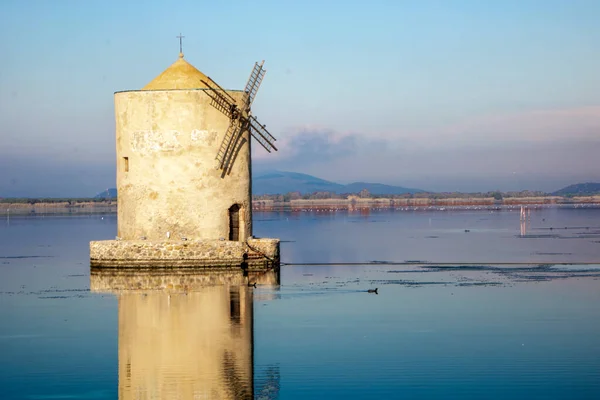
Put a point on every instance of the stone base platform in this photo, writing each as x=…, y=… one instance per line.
x=252, y=255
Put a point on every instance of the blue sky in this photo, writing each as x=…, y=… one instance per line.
x=441, y=95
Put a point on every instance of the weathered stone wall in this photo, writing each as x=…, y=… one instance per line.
x=210, y=254
x=168, y=184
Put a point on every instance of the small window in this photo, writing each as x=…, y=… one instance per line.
x=126, y=164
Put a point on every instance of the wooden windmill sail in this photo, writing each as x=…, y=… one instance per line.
x=240, y=117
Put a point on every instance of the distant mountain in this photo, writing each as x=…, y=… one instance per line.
x=579, y=189
x=107, y=194
x=280, y=182
x=277, y=182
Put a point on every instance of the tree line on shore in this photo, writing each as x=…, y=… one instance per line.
x=55, y=200
x=365, y=194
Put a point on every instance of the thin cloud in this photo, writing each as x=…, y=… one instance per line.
x=318, y=145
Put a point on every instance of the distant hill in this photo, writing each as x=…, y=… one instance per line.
x=107, y=194
x=277, y=182
x=579, y=189
x=281, y=182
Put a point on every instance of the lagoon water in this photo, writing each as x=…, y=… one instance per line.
x=470, y=305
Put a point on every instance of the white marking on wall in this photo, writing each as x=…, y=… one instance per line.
x=167, y=141
x=203, y=136
x=197, y=134
x=147, y=141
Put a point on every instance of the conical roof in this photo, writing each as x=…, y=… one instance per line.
x=180, y=75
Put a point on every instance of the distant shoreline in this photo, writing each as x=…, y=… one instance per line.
x=425, y=203
x=354, y=203
x=58, y=208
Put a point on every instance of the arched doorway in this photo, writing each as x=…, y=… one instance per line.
x=234, y=222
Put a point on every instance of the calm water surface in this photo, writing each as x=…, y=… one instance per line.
x=484, y=327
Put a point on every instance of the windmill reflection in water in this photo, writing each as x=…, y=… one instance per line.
x=186, y=334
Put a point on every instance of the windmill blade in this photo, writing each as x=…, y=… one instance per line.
x=256, y=77
x=233, y=149
x=214, y=84
x=228, y=143
x=219, y=101
x=263, y=128
x=261, y=134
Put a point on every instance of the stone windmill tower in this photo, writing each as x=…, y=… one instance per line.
x=183, y=162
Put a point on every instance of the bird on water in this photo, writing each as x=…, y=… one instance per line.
x=372, y=291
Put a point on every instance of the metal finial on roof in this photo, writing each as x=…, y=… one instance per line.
x=180, y=37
